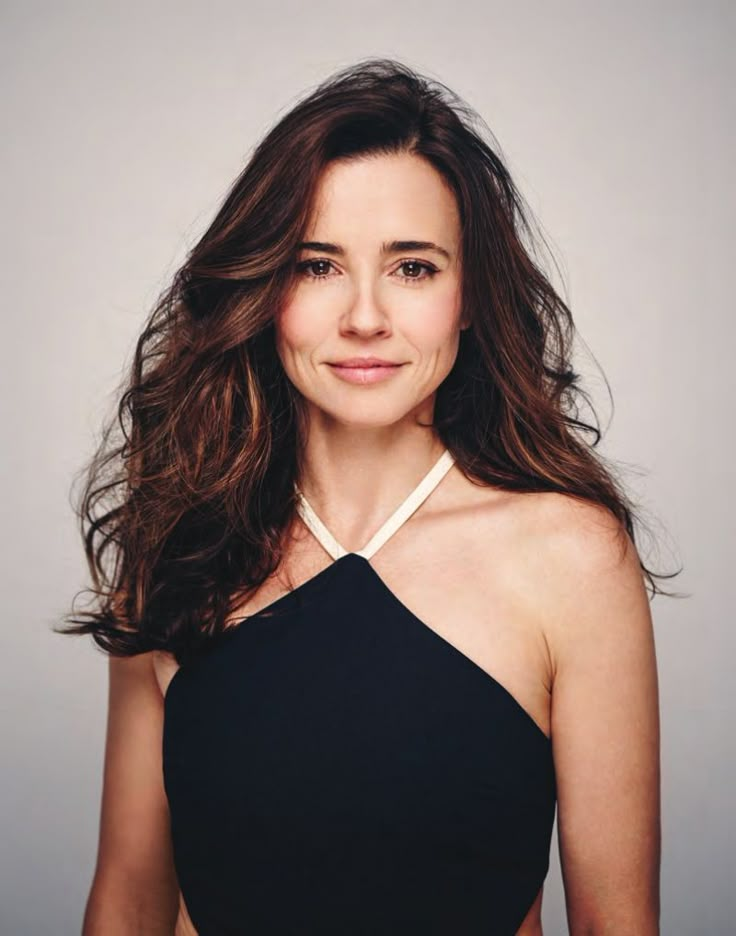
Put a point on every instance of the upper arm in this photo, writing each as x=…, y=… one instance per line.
x=604, y=726
x=135, y=873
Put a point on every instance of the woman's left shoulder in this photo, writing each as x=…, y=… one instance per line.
x=589, y=583
x=575, y=537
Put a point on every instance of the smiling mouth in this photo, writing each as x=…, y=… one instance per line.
x=365, y=374
x=363, y=366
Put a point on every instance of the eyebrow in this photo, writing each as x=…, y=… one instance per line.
x=387, y=247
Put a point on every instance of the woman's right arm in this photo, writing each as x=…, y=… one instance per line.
x=135, y=890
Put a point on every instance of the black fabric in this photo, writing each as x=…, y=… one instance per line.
x=341, y=768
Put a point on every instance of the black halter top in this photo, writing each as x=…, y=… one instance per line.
x=335, y=766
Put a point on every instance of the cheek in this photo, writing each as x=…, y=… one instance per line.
x=437, y=328
x=297, y=332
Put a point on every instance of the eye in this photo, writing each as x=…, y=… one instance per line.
x=307, y=267
x=430, y=270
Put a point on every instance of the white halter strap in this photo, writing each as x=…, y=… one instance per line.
x=420, y=493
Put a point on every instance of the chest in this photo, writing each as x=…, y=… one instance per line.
x=476, y=600
x=470, y=587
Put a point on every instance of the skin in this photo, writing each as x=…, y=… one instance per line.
x=364, y=445
x=534, y=588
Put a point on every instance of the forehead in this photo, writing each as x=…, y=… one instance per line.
x=386, y=196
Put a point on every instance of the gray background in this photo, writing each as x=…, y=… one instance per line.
x=123, y=126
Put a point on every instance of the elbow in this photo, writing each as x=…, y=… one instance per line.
x=118, y=907
x=617, y=922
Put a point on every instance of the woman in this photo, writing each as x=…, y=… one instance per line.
x=370, y=622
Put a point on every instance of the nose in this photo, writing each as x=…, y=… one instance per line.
x=365, y=313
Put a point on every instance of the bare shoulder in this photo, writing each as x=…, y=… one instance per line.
x=572, y=524
x=580, y=569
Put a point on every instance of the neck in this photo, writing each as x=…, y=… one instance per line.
x=354, y=487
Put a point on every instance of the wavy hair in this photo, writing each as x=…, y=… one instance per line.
x=188, y=499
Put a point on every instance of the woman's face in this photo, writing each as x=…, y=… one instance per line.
x=360, y=293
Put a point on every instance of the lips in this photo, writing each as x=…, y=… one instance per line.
x=365, y=374
x=365, y=362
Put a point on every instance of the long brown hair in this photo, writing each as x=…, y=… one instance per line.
x=188, y=498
